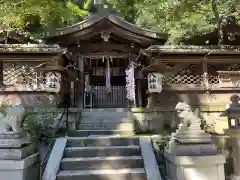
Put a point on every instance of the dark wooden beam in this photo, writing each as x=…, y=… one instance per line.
x=159, y=66
x=131, y=36
x=101, y=46
x=196, y=59
x=87, y=66
x=97, y=55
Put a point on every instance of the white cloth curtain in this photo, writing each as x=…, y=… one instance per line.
x=108, y=75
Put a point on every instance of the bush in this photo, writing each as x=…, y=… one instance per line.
x=39, y=126
x=3, y=107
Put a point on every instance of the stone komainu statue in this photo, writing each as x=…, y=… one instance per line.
x=13, y=119
x=186, y=115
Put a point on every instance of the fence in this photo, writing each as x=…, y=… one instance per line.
x=114, y=99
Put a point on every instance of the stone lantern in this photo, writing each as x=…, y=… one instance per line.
x=233, y=115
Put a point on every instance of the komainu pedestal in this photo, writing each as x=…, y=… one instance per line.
x=191, y=155
x=18, y=160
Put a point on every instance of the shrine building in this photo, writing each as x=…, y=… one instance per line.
x=107, y=62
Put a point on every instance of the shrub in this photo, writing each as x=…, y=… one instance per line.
x=39, y=126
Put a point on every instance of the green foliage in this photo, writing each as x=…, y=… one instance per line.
x=126, y=8
x=160, y=143
x=3, y=107
x=37, y=16
x=181, y=20
x=184, y=19
x=39, y=126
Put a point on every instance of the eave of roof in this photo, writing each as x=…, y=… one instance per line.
x=114, y=18
x=16, y=34
x=165, y=49
x=30, y=48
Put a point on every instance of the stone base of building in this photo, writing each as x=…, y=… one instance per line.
x=234, y=177
x=25, y=169
x=194, y=167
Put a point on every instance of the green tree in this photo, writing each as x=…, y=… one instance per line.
x=127, y=8
x=181, y=19
x=185, y=19
x=39, y=15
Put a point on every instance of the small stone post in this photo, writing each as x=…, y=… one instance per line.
x=191, y=155
x=233, y=114
x=18, y=160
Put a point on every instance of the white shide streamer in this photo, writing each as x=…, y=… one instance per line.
x=130, y=83
x=108, y=78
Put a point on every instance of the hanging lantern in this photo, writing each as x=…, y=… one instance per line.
x=52, y=82
x=155, y=82
x=51, y=77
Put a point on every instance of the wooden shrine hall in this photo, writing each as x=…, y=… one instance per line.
x=113, y=58
x=102, y=46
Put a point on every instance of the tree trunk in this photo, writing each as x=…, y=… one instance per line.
x=219, y=22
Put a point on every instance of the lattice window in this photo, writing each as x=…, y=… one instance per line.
x=190, y=75
x=213, y=77
x=19, y=73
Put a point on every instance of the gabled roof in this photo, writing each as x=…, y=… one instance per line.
x=123, y=27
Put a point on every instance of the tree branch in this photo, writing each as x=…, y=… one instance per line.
x=215, y=10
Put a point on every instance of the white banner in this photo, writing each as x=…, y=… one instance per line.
x=108, y=77
x=130, y=83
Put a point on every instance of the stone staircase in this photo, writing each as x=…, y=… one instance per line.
x=102, y=158
x=96, y=151
x=103, y=122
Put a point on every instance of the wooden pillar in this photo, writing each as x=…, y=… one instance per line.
x=205, y=77
x=139, y=90
x=205, y=74
x=81, y=76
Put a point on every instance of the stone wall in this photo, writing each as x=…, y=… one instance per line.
x=30, y=99
x=211, y=106
x=159, y=119
x=194, y=98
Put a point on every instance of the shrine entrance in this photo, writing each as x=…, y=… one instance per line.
x=105, y=84
x=102, y=47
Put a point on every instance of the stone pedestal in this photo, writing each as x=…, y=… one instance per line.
x=235, y=143
x=192, y=156
x=194, y=167
x=18, y=160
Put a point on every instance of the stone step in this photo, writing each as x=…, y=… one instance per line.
x=102, y=141
x=102, y=151
x=99, y=110
x=119, y=162
x=105, y=126
x=102, y=120
x=84, y=133
x=110, y=117
x=108, y=174
x=93, y=126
